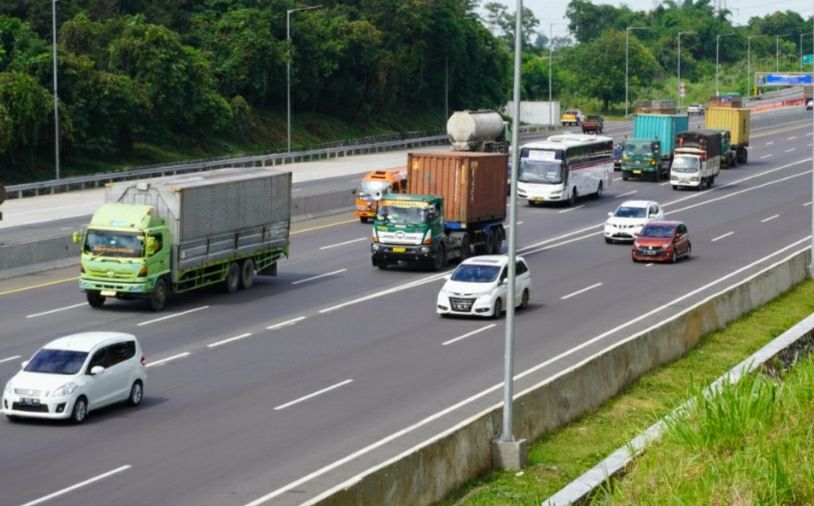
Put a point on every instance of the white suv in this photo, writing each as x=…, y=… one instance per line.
x=69, y=377
x=477, y=287
x=627, y=221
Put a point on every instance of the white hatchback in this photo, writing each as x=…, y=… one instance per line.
x=478, y=287
x=627, y=221
x=72, y=375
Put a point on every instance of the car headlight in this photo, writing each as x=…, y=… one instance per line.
x=66, y=389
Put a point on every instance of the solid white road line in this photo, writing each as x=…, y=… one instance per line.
x=664, y=183
x=807, y=204
x=168, y=359
x=716, y=239
x=285, y=323
x=770, y=218
x=332, y=273
x=791, y=138
x=77, y=486
x=231, y=339
x=310, y=396
x=649, y=265
x=790, y=150
x=57, y=310
x=595, y=285
x=766, y=156
x=571, y=209
x=770, y=143
x=9, y=359
x=478, y=331
x=626, y=194
x=175, y=315
x=344, y=243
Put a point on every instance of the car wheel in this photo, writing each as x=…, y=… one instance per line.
x=12, y=418
x=524, y=300
x=80, y=410
x=674, y=257
x=232, y=281
x=625, y=175
x=95, y=298
x=498, y=309
x=158, y=299
x=247, y=273
x=136, y=393
x=608, y=240
x=689, y=251
x=675, y=187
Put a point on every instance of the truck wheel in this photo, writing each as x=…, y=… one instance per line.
x=742, y=154
x=710, y=182
x=247, y=273
x=95, y=299
x=363, y=219
x=497, y=243
x=232, y=281
x=625, y=175
x=466, y=248
x=158, y=299
x=675, y=187
x=440, y=259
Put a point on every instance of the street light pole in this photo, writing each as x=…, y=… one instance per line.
x=550, y=56
x=678, y=91
x=717, y=52
x=777, y=53
x=627, y=60
x=56, y=96
x=288, y=14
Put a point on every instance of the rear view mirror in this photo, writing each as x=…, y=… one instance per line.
x=447, y=277
x=610, y=214
x=97, y=369
x=23, y=364
x=76, y=237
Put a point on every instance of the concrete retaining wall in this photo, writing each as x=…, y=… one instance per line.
x=429, y=472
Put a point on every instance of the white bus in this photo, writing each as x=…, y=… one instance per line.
x=565, y=167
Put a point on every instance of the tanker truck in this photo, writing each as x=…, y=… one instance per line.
x=481, y=130
x=179, y=233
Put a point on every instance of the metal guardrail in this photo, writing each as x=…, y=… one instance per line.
x=95, y=180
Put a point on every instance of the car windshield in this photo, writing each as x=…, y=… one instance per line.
x=114, y=244
x=56, y=361
x=473, y=273
x=539, y=171
x=371, y=188
x=630, y=212
x=402, y=215
x=660, y=231
x=639, y=148
x=685, y=164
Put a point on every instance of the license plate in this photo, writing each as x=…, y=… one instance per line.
x=539, y=199
x=108, y=293
x=684, y=181
x=460, y=307
x=649, y=252
x=637, y=172
x=29, y=401
x=399, y=250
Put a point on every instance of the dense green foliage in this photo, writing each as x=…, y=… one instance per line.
x=210, y=75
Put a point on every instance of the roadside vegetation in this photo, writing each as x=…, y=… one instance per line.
x=749, y=446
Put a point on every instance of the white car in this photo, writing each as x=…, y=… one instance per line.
x=627, y=221
x=75, y=374
x=478, y=287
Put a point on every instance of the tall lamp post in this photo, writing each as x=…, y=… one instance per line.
x=717, y=52
x=678, y=86
x=56, y=97
x=550, y=59
x=749, y=61
x=627, y=60
x=288, y=14
x=777, y=51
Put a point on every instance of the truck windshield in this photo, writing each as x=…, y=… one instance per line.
x=685, y=164
x=639, y=149
x=538, y=171
x=402, y=215
x=114, y=244
x=372, y=188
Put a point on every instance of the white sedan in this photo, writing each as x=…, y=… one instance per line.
x=627, y=221
x=477, y=287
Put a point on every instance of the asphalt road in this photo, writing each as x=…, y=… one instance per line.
x=337, y=366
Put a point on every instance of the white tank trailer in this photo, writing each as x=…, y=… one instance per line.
x=480, y=130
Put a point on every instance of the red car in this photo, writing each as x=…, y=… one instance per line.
x=661, y=241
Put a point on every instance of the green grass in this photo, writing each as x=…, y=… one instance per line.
x=559, y=457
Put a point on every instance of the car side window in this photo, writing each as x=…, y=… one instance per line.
x=520, y=268
x=654, y=210
x=504, y=274
x=99, y=358
x=121, y=352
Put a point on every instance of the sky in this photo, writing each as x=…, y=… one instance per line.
x=553, y=11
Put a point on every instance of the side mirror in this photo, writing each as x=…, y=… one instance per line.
x=151, y=246
x=97, y=369
x=76, y=237
x=447, y=277
x=504, y=281
x=353, y=192
x=23, y=364
x=610, y=214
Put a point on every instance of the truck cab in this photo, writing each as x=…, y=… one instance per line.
x=641, y=158
x=409, y=228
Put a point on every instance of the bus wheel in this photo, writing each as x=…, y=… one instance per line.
x=598, y=191
x=573, y=200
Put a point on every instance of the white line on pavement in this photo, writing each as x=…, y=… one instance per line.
x=791, y=138
x=790, y=150
x=168, y=359
x=175, y=315
x=77, y=486
x=478, y=331
x=770, y=143
x=9, y=359
x=770, y=218
x=344, y=243
x=285, y=323
x=309, y=396
x=595, y=285
x=332, y=273
x=571, y=209
x=231, y=339
x=649, y=265
x=664, y=183
x=766, y=156
x=626, y=194
x=716, y=239
x=807, y=204
x=57, y=310
x=617, y=179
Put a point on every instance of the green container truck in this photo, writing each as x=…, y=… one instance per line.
x=179, y=233
x=649, y=152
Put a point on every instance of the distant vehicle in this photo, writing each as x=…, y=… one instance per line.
x=662, y=241
x=572, y=117
x=697, y=159
x=649, y=151
x=73, y=375
x=593, y=125
x=737, y=121
x=375, y=184
x=480, y=130
x=627, y=221
x=618, y=149
x=564, y=167
x=695, y=109
x=809, y=104
x=477, y=287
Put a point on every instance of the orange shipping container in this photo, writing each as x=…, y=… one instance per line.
x=472, y=184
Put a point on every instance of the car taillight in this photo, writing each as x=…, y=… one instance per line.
x=143, y=360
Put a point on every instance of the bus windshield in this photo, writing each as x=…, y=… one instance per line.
x=540, y=171
x=114, y=244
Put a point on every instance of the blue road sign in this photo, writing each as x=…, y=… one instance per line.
x=788, y=79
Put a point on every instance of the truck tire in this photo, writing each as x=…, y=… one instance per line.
x=232, y=281
x=466, y=248
x=439, y=260
x=742, y=155
x=363, y=219
x=158, y=298
x=95, y=298
x=247, y=273
x=625, y=175
x=497, y=243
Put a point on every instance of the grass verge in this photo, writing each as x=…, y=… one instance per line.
x=559, y=457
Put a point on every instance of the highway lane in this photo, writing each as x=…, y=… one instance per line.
x=406, y=383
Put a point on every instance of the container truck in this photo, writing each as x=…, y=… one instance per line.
x=649, y=152
x=697, y=159
x=178, y=233
x=481, y=130
x=738, y=122
x=455, y=201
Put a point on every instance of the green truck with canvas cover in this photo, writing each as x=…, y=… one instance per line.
x=649, y=152
x=179, y=233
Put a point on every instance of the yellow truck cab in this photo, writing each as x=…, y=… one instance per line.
x=375, y=184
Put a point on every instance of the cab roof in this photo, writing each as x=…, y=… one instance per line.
x=87, y=341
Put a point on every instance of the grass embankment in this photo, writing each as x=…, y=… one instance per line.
x=719, y=468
